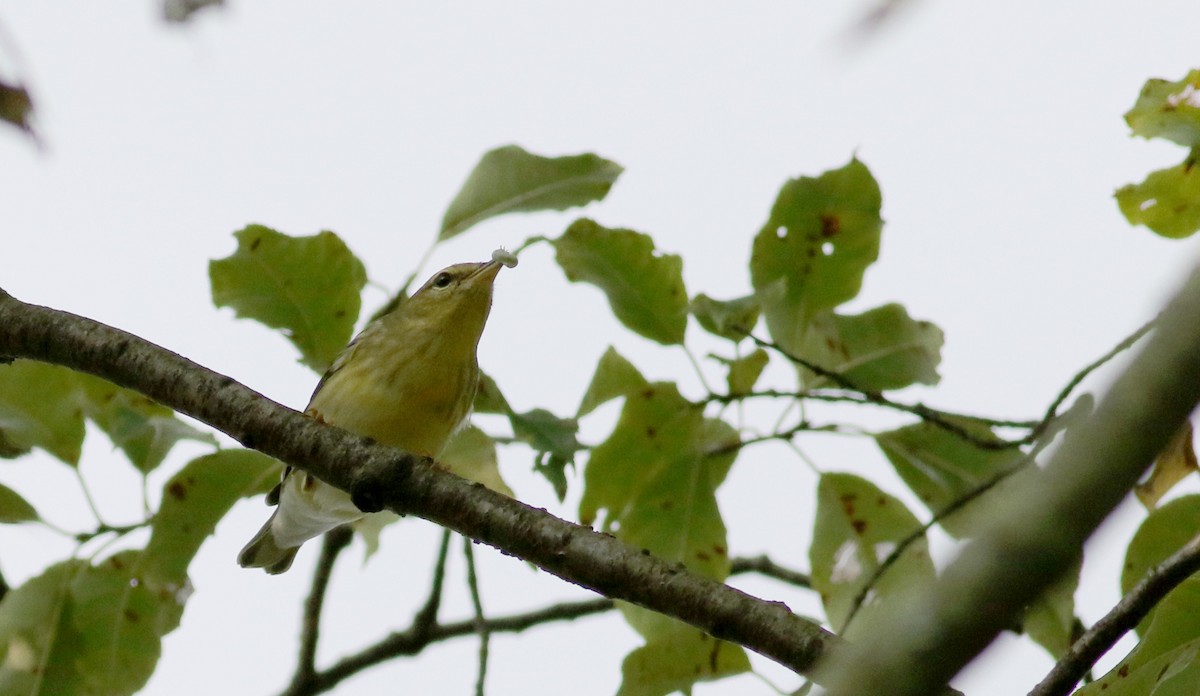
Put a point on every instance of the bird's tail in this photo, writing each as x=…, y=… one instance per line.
x=264, y=552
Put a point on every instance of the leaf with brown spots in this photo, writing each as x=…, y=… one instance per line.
x=195, y=499
x=857, y=527
x=880, y=349
x=811, y=255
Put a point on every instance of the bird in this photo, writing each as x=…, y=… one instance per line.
x=407, y=380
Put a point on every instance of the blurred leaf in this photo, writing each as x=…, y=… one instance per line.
x=15, y=106
x=194, y=500
x=554, y=441
x=1174, y=464
x=307, y=286
x=83, y=629
x=471, y=454
x=732, y=319
x=745, y=371
x=1165, y=662
x=179, y=11
x=370, y=528
x=509, y=179
x=941, y=468
x=644, y=287
x=1168, y=201
x=877, y=350
x=38, y=642
x=1050, y=620
x=488, y=398
x=810, y=257
x=14, y=508
x=857, y=527
x=1168, y=110
x=40, y=406
x=1163, y=533
x=614, y=377
x=144, y=430
x=676, y=663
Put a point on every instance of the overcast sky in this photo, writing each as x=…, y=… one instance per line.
x=994, y=129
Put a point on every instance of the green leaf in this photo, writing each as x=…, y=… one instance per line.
x=1168, y=110
x=745, y=371
x=471, y=454
x=554, y=441
x=15, y=106
x=509, y=179
x=1165, y=662
x=941, y=467
x=1168, y=201
x=14, y=509
x=194, y=500
x=121, y=616
x=732, y=319
x=811, y=255
x=644, y=287
x=877, y=350
x=40, y=406
x=857, y=527
x=1050, y=620
x=1163, y=532
x=83, y=629
x=307, y=286
x=676, y=663
x=614, y=377
x=488, y=398
x=144, y=430
x=38, y=641
x=656, y=481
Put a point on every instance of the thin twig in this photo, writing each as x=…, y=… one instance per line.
x=920, y=532
x=332, y=546
x=481, y=626
x=426, y=618
x=425, y=630
x=1132, y=608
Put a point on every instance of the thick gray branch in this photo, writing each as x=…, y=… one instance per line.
x=921, y=646
x=380, y=477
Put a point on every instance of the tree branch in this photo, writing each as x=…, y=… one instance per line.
x=1033, y=541
x=379, y=477
x=332, y=545
x=1132, y=608
x=425, y=630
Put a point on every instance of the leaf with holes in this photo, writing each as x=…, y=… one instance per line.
x=306, y=286
x=509, y=179
x=1169, y=110
x=1168, y=201
x=644, y=287
x=857, y=527
x=811, y=254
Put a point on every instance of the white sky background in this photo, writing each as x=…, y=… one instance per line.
x=994, y=129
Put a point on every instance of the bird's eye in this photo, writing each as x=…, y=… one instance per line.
x=442, y=280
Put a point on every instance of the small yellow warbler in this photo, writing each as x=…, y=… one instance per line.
x=407, y=380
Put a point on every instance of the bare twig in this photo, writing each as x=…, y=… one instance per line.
x=481, y=625
x=426, y=631
x=1132, y=608
x=332, y=545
